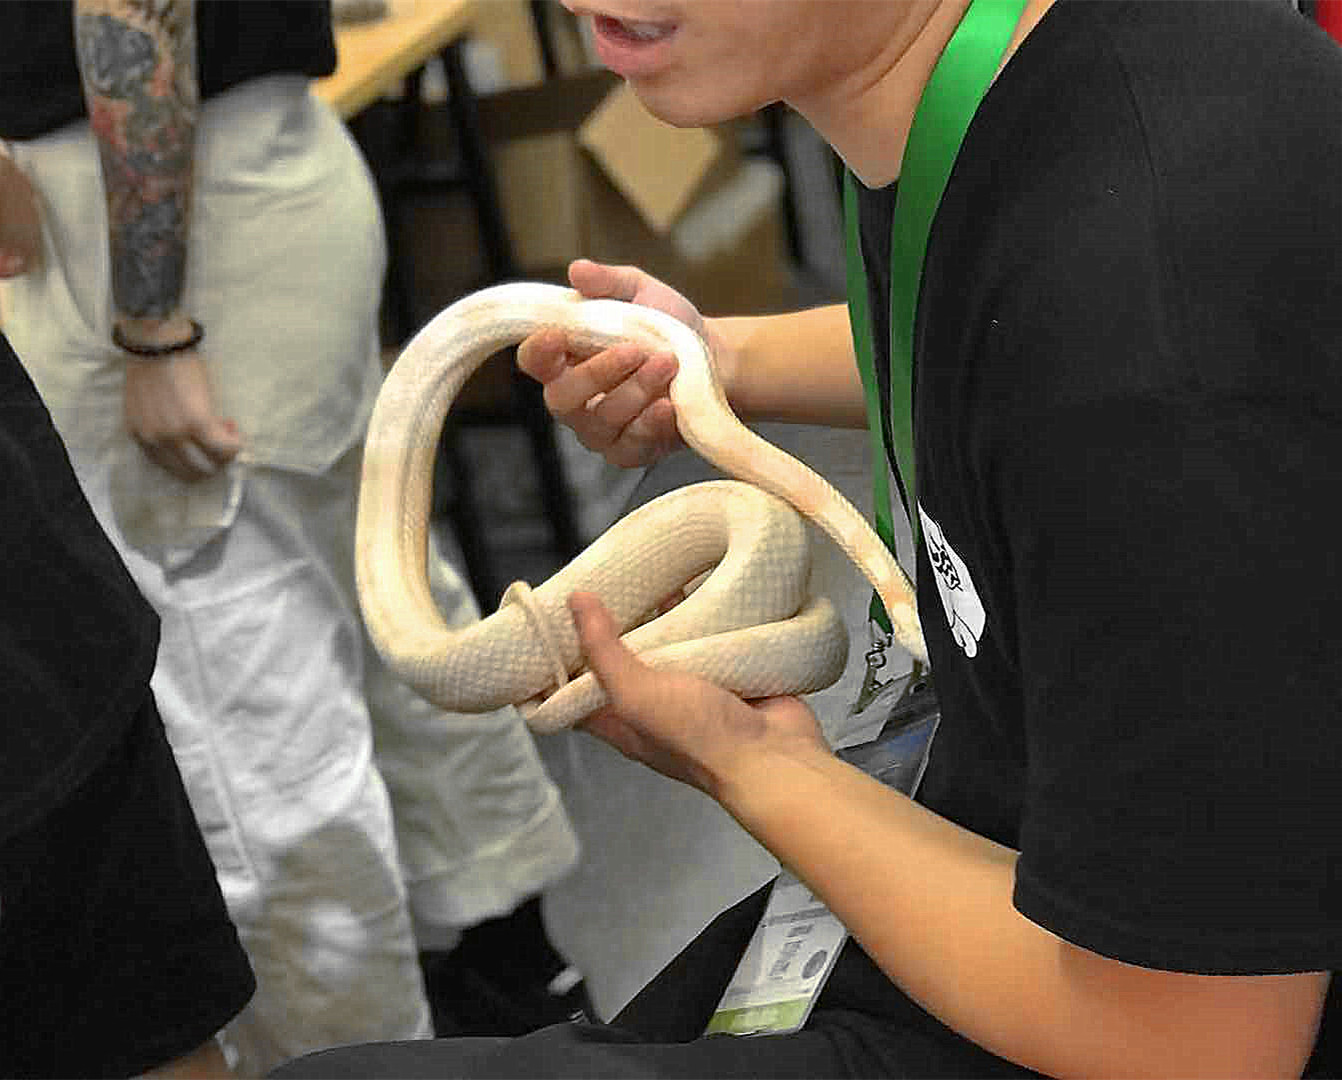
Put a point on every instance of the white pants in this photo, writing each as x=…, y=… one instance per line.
x=291, y=736
x=345, y=815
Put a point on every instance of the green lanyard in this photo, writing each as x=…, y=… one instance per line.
x=952, y=95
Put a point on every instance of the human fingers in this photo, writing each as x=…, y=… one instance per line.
x=648, y=438
x=681, y=725
x=219, y=440
x=618, y=670
x=632, y=421
x=170, y=413
x=545, y=355
x=603, y=280
x=192, y=457
x=616, y=403
x=179, y=456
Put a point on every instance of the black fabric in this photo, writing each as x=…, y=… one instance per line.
x=678, y=1003
x=1128, y=412
x=657, y=1034
x=235, y=42
x=577, y=1051
x=116, y=951
x=77, y=640
x=833, y=1044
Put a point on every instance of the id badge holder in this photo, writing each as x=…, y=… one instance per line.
x=795, y=945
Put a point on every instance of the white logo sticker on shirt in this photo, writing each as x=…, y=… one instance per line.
x=964, y=609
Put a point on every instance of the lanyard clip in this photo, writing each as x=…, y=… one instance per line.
x=880, y=640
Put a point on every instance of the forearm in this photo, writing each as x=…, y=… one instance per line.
x=932, y=904
x=797, y=367
x=137, y=64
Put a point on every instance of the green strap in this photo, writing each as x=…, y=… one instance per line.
x=952, y=95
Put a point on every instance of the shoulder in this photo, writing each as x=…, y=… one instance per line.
x=1159, y=180
x=1237, y=88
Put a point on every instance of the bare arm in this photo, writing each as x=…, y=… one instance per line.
x=932, y=902
x=137, y=59
x=797, y=367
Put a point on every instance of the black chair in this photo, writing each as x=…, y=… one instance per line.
x=420, y=153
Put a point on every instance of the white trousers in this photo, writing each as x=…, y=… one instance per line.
x=349, y=820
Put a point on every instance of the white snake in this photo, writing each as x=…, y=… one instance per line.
x=749, y=626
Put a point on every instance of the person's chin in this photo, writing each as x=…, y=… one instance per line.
x=679, y=100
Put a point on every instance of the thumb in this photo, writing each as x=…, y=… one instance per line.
x=221, y=441
x=600, y=281
x=615, y=667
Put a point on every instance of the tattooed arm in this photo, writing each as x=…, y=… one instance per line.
x=137, y=59
x=138, y=63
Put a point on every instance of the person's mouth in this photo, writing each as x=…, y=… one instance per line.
x=630, y=47
x=634, y=31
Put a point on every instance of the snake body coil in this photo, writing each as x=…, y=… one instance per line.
x=749, y=626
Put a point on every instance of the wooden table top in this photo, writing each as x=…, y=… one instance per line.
x=374, y=57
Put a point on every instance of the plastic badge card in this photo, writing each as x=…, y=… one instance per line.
x=793, y=949
x=784, y=965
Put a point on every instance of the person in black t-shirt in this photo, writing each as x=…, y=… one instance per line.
x=117, y=954
x=1125, y=856
x=196, y=184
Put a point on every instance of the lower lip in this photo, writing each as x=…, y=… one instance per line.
x=625, y=54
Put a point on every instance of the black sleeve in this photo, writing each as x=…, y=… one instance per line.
x=78, y=640
x=116, y=951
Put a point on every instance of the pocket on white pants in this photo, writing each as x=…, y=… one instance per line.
x=280, y=674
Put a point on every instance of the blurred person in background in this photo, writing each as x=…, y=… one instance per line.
x=193, y=282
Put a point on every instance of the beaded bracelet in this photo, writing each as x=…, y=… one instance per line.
x=157, y=352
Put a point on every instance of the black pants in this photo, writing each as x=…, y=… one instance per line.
x=862, y=1026
x=116, y=950
x=655, y=1034
x=658, y=1033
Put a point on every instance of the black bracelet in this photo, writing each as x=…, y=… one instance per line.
x=159, y=351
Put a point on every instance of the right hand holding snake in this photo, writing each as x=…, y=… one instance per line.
x=615, y=400
x=679, y=724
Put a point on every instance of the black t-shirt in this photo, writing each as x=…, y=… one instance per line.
x=1128, y=431
x=235, y=41
x=77, y=639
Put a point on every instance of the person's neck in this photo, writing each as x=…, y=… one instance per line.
x=867, y=117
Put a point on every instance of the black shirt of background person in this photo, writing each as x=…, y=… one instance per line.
x=77, y=639
x=40, y=89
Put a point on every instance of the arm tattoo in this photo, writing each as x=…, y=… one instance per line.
x=137, y=59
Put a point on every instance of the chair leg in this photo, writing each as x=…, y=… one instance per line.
x=555, y=494
x=478, y=168
x=455, y=499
